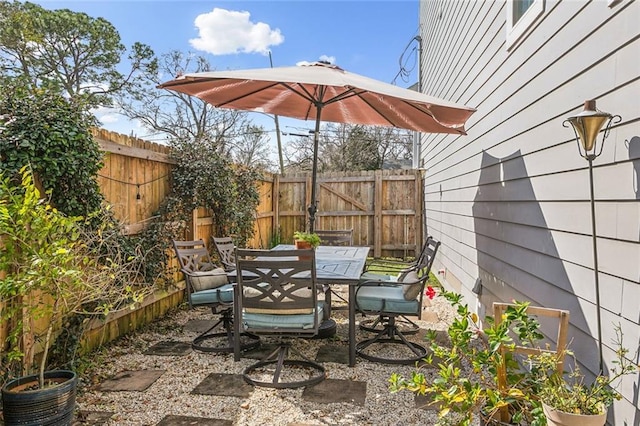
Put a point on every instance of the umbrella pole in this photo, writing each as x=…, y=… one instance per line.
x=314, y=174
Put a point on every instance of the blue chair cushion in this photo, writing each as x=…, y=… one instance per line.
x=412, y=285
x=222, y=294
x=389, y=299
x=285, y=321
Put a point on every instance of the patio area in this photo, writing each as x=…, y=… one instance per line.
x=153, y=377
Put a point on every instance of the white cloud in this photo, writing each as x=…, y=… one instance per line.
x=106, y=115
x=109, y=118
x=223, y=32
x=330, y=59
x=322, y=58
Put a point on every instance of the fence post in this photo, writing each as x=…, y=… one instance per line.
x=418, y=207
x=275, y=205
x=377, y=214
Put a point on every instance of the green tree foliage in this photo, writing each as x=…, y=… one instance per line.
x=77, y=54
x=51, y=133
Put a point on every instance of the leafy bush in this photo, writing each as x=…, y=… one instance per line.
x=569, y=392
x=51, y=134
x=205, y=177
x=55, y=269
x=466, y=385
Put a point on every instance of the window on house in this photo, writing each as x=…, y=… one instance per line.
x=519, y=8
x=521, y=15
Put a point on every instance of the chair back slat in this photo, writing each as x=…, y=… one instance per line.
x=336, y=237
x=226, y=250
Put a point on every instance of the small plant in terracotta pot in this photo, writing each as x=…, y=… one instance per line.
x=306, y=240
x=568, y=400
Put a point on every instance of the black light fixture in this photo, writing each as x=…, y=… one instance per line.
x=586, y=126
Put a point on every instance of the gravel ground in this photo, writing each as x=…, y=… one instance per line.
x=171, y=393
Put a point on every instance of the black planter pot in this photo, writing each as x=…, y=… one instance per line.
x=53, y=405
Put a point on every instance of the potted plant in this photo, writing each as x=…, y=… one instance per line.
x=466, y=385
x=567, y=399
x=51, y=272
x=306, y=240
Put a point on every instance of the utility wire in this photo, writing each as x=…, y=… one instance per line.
x=405, y=67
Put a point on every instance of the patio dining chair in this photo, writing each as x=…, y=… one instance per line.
x=208, y=285
x=390, y=299
x=277, y=295
x=396, y=271
x=335, y=237
x=226, y=251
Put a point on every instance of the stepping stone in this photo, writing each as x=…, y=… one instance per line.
x=333, y=353
x=198, y=326
x=171, y=420
x=334, y=390
x=94, y=418
x=138, y=380
x=169, y=348
x=223, y=385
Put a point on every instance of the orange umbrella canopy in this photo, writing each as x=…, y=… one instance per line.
x=323, y=92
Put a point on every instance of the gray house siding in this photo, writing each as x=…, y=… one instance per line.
x=510, y=201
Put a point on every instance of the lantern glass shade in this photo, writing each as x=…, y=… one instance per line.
x=588, y=124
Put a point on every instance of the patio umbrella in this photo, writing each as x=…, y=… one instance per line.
x=323, y=92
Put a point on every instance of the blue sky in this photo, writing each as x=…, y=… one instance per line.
x=365, y=37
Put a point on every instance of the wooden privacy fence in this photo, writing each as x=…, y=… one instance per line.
x=135, y=177
x=383, y=207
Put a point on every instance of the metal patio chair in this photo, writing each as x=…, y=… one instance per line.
x=335, y=237
x=208, y=285
x=396, y=271
x=390, y=299
x=277, y=295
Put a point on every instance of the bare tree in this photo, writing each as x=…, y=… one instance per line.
x=178, y=115
x=344, y=147
x=251, y=148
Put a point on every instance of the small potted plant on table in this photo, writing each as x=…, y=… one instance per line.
x=306, y=240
